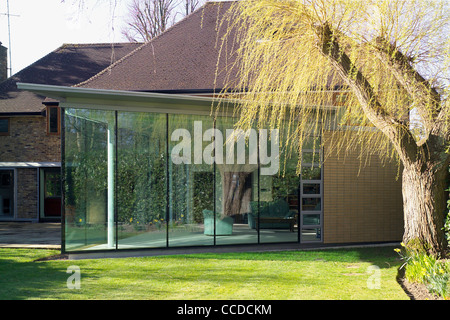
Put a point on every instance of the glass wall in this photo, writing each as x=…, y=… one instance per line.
x=191, y=181
x=88, y=174
x=141, y=180
x=236, y=184
x=279, y=202
x=152, y=180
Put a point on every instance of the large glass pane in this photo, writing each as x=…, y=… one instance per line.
x=279, y=202
x=89, y=179
x=191, y=181
x=141, y=180
x=236, y=185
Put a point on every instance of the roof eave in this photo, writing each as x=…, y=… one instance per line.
x=88, y=98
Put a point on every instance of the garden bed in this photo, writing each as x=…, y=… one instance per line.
x=417, y=291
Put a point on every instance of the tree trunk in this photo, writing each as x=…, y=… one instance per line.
x=425, y=205
x=233, y=192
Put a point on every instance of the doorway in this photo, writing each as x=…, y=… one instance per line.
x=50, y=193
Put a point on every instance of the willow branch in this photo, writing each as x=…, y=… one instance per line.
x=426, y=99
x=397, y=132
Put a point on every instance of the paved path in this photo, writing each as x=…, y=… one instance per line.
x=30, y=235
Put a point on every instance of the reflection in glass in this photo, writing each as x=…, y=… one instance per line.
x=236, y=187
x=311, y=235
x=88, y=159
x=191, y=182
x=141, y=180
x=311, y=188
x=311, y=158
x=311, y=219
x=151, y=180
x=279, y=204
x=311, y=173
x=311, y=143
x=311, y=204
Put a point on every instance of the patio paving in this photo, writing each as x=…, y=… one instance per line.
x=30, y=235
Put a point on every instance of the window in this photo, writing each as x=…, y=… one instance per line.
x=6, y=194
x=311, y=191
x=50, y=192
x=4, y=126
x=53, y=120
x=339, y=98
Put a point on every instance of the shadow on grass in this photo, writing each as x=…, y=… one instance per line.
x=23, y=278
x=384, y=257
x=29, y=275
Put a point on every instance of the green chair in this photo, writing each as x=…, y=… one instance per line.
x=224, y=225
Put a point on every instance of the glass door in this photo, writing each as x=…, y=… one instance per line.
x=50, y=191
x=6, y=194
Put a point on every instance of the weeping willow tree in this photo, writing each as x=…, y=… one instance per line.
x=387, y=58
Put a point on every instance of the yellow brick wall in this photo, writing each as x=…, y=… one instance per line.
x=361, y=203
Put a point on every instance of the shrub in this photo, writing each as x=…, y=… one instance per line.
x=423, y=268
x=437, y=279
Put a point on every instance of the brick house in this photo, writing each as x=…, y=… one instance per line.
x=30, y=153
x=124, y=190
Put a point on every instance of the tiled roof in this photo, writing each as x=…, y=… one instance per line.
x=66, y=66
x=183, y=58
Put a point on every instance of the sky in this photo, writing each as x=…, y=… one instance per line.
x=38, y=27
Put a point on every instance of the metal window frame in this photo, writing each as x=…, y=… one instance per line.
x=320, y=195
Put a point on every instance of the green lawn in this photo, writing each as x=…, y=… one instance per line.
x=321, y=274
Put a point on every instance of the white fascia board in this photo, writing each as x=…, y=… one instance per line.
x=88, y=98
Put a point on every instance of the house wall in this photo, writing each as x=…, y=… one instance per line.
x=361, y=204
x=28, y=141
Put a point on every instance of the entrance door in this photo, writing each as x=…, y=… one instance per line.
x=50, y=193
x=6, y=194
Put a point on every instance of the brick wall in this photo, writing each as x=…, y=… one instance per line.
x=27, y=194
x=28, y=141
x=361, y=204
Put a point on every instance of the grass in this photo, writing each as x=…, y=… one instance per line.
x=322, y=274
